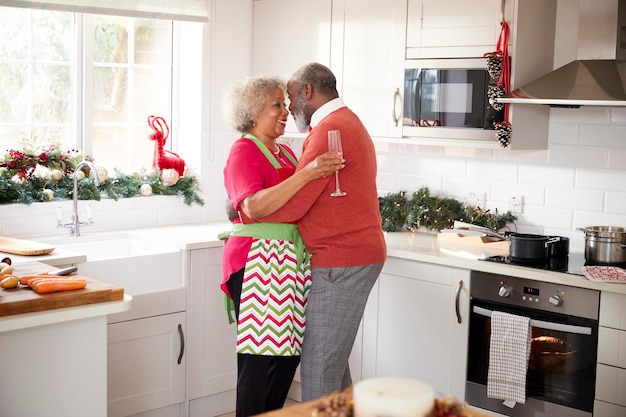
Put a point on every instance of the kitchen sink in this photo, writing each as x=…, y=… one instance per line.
x=139, y=265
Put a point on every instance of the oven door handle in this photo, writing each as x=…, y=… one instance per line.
x=567, y=328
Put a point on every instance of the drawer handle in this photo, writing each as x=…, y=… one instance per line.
x=182, y=343
x=457, y=300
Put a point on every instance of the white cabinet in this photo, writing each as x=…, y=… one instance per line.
x=411, y=327
x=611, y=372
x=367, y=56
x=146, y=364
x=56, y=369
x=288, y=35
x=469, y=29
x=453, y=28
x=212, y=374
x=362, y=41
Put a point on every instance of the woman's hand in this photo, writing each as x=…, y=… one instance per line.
x=324, y=165
x=267, y=201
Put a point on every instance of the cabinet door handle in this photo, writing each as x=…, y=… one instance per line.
x=395, y=118
x=182, y=343
x=457, y=301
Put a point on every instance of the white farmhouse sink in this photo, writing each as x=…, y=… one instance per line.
x=140, y=266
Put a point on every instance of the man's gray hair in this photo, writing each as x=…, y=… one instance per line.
x=319, y=76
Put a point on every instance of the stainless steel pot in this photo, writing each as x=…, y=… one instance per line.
x=605, y=245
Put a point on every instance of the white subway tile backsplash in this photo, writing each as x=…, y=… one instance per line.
x=608, y=180
x=594, y=218
x=548, y=175
x=563, y=133
x=592, y=200
x=616, y=203
x=603, y=135
x=578, y=156
x=618, y=115
x=617, y=158
x=180, y=214
x=133, y=219
x=410, y=183
x=545, y=216
x=533, y=194
x=587, y=114
x=531, y=157
x=459, y=187
x=469, y=153
x=442, y=167
x=481, y=170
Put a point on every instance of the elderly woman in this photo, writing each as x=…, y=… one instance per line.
x=265, y=265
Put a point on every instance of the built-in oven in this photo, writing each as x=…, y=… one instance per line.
x=561, y=370
x=444, y=95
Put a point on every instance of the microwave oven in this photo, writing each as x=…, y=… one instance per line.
x=447, y=98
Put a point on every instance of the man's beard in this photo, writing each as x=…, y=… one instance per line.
x=302, y=124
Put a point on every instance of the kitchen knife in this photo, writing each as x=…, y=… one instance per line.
x=65, y=271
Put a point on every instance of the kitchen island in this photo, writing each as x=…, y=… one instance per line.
x=54, y=362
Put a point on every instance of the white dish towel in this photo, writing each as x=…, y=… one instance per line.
x=508, y=357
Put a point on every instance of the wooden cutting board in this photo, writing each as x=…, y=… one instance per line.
x=24, y=247
x=24, y=300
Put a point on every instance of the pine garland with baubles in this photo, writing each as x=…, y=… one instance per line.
x=434, y=213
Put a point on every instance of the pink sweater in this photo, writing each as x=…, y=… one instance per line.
x=339, y=231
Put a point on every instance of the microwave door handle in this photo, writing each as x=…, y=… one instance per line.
x=567, y=328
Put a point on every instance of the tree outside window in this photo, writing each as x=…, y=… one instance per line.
x=64, y=71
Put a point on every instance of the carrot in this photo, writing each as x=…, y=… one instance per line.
x=53, y=285
x=34, y=281
x=24, y=279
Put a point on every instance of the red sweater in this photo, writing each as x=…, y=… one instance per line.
x=339, y=231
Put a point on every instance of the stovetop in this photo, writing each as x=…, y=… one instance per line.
x=571, y=264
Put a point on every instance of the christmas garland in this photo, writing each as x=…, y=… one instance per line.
x=28, y=176
x=434, y=213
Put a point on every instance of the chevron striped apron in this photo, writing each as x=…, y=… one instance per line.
x=276, y=283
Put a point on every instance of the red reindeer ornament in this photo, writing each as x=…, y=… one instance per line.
x=164, y=159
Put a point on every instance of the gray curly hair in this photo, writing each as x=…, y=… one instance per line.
x=245, y=98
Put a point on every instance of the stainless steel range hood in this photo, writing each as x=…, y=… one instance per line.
x=598, y=76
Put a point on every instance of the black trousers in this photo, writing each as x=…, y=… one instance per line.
x=262, y=381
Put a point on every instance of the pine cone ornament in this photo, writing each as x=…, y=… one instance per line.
x=494, y=92
x=504, y=131
x=494, y=65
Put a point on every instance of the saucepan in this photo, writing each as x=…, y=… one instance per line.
x=605, y=245
x=529, y=247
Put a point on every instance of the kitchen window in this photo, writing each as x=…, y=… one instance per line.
x=87, y=82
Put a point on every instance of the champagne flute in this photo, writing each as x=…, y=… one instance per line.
x=334, y=145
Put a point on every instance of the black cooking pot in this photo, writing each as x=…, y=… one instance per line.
x=530, y=248
x=559, y=248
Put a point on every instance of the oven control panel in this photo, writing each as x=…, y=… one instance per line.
x=539, y=295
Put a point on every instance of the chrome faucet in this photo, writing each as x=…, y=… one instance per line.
x=75, y=224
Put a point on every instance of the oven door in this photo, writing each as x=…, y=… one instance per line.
x=561, y=370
